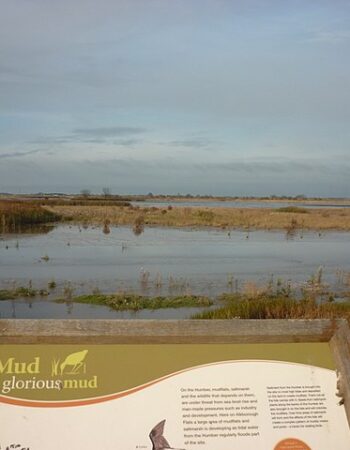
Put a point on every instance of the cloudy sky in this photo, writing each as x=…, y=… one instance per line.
x=227, y=97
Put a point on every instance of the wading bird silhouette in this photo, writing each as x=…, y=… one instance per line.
x=75, y=360
x=158, y=440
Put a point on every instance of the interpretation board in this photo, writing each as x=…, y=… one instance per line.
x=208, y=396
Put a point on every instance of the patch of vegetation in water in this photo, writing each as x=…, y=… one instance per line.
x=276, y=306
x=20, y=292
x=293, y=209
x=124, y=302
x=10, y=294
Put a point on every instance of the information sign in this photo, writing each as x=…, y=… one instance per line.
x=161, y=396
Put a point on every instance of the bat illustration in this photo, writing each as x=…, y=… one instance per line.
x=158, y=440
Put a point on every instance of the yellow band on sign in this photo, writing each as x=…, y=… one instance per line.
x=72, y=372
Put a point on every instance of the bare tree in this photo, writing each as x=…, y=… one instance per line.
x=85, y=192
x=106, y=191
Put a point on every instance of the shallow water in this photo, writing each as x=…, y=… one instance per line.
x=38, y=309
x=236, y=204
x=166, y=261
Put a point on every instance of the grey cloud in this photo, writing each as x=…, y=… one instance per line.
x=329, y=37
x=127, y=142
x=200, y=143
x=109, y=131
x=282, y=167
x=52, y=140
x=95, y=136
x=119, y=142
x=250, y=168
x=18, y=154
x=149, y=74
x=91, y=141
x=7, y=70
x=260, y=167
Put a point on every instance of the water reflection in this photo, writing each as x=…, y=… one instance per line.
x=19, y=309
x=28, y=230
x=291, y=234
x=106, y=228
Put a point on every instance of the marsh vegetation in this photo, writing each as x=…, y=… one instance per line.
x=22, y=292
x=224, y=218
x=116, y=210
x=277, y=306
x=14, y=216
x=274, y=300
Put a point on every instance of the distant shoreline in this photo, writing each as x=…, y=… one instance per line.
x=181, y=198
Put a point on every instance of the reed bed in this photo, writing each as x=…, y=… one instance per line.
x=263, y=306
x=15, y=215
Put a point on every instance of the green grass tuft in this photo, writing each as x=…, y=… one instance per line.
x=6, y=294
x=293, y=209
x=123, y=302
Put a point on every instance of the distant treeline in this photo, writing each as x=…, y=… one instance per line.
x=86, y=196
x=81, y=201
x=300, y=197
x=76, y=200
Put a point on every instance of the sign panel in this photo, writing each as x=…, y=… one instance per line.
x=190, y=397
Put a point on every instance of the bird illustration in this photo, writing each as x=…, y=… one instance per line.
x=158, y=440
x=76, y=360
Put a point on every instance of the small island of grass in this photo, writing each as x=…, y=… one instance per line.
x=125, y=302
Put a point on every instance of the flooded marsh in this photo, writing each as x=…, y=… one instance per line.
x=75, y=260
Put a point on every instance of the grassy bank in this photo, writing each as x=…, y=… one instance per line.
x=274, y=306
x=292, y=219
x=15, y=215
x=124, y=302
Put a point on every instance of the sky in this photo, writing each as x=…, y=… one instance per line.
x=218, y=97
